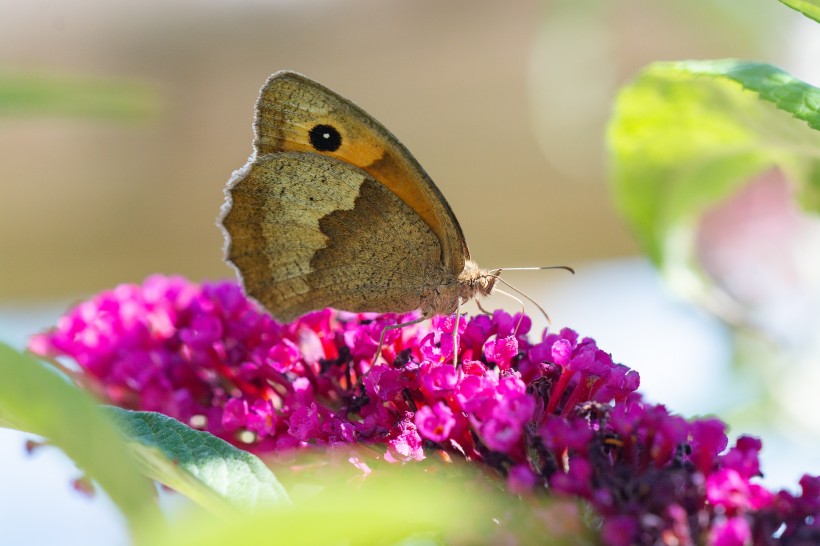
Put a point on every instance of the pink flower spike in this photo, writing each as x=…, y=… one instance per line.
x=262, y=418
x=304, y=423
x=733, y=531
x=41, y=344
x=445, y=324
x=438, y=379
x=501, y=351
x=521, y=479
x=511, y=386
x=302, y=391
x=708, y=439
x=727, y=488
x=810, y=486
x=283, y=356
x=437, y=347
x=501, y=432
x=759, y=497
x=561, y=352
x=205, y=330
x=620, y=530
x=570, y=335
x=558, y=411
x=744, y=456
x=435, y=423
x=476, y=395
x=383, y=382
x=473, y=367
x=235, y=414
x=504, y=324
x=405, y=444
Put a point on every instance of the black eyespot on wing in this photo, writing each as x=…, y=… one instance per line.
x=325, y=138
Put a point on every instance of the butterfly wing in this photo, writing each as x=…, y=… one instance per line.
x=291, y=115
x=306, y=231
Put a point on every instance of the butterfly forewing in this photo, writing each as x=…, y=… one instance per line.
x=297, y=114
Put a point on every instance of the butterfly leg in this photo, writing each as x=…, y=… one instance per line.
x=455, y=333
x=394, y=327
x=521, y=315
x=481, y=308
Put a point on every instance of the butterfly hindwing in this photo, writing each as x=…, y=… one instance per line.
x=307, y=231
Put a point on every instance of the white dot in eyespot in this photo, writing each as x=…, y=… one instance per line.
x=325, y=135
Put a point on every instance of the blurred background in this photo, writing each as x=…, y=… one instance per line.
x=149, y=108
x=504, y=105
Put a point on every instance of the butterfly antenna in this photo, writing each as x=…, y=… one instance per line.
x=538, y=305
x=538, y=268
x=541, y=268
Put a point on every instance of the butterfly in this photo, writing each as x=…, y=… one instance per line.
x=331, y=210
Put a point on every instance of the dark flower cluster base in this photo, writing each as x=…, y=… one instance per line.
x=554, y=415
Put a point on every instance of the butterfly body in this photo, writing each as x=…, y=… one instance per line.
x=332, y=211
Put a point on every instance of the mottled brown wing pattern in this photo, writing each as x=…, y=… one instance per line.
x=307, y=231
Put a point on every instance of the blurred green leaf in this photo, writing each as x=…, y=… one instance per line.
x=34, y=398
x=393, y=505
x=50, y=95
x=197, y=464
x=687, y=135
x=809, y=8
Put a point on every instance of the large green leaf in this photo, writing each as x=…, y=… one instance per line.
x=203, y=467
x=686, y=135
x=119, y=454
x=34, y=398
x=809, y=8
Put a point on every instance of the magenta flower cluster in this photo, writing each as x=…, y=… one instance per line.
x=555, y=415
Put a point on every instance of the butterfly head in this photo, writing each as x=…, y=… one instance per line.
x=474, y=282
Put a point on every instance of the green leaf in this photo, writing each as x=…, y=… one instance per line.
x=809, y=8
x=393, y=505
x=34, y=398
x=203, y=467
x=686, y=135
x=49, y=95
